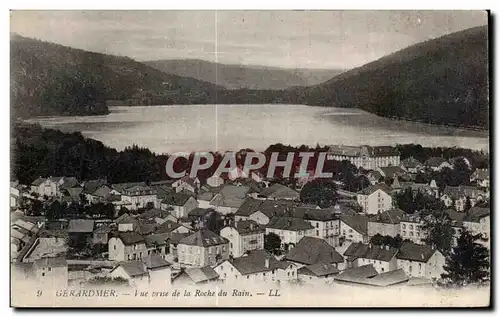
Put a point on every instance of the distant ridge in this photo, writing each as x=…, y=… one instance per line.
x=243, y=76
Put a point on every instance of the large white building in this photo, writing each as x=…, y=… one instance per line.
x=247, y=235
x=365, y=156
x=374, y=199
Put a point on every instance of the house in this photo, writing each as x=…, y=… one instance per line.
x=187, y=183
x=383, y=258
x=139, y=196
x=311, y=251
x=135, y=272
x=196, y=215
x=126, y=223
x=51, y=273
x=354, y=228
x=326, y=222
x=159, y=270
x=411, y=228
x=456, y=196
x=245, y=236
x=205, y=196
x=172, y=227
x=179, y=204
x=375, y=198
x=261, y=211
x=278, y=192
x=420, y=260
x=73, y=194
x=101, y=234
x=436, y=164
x=477, y=221
x=126, y=246
x=15, y=194
x=481, y=177
x=258, y=266
x=374, y=177
x=367, y=276
x=365, y=156
x=99, y=194
x=319, y=273
x=202, y=248
x=386, y=223
x=411, y=165
x=229, y=199
x=157, y=215
x=215, y=181
x=196, y=276
x=45, y=187
x=390, y=172
x=236, y=173
x=290, y=230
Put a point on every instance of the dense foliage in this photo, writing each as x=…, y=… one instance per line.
x=320, y=192
x=468, y=263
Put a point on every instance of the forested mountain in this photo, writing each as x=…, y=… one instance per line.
x=244, y=76
x=51, y=79
x=440, y=81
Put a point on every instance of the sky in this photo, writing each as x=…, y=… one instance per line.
x=290, y=39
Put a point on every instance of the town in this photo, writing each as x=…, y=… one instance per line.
x=400, y=225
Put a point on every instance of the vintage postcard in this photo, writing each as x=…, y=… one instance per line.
x=250, y=159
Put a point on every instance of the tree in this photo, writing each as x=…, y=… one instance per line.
x=439, y=232
x=320, y=191
x=272, y=243
x=55, y=211
x=468, y=204
x=468, y=263
x=150, y=205
x=122, y=211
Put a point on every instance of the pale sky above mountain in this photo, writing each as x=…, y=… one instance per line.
x=309, y=39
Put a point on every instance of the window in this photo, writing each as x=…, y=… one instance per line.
x=411, y=233
x=50, y=269
x=114, y=247
x=420, y=266
x=404, y=226
x=410, y=268
x=43, y=273
x=411, y=227
x=248, y=276
x=317, y=233
x=404, y=233
x=317, y=225
x=264, y=274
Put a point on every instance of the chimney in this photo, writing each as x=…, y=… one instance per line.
x=387, y=247
x=369, y=246
x=422, y=256
x=266, y=263
x=381, y=246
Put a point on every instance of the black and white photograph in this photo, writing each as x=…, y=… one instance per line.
x=250, y=158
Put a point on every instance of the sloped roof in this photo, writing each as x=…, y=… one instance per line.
x=318, y=269
x=188, y=180
x=154, y=213
x=230, y=196
x=121, y=187
x=311, y=250
x=198, y=212
x=476, y=213
x=74, y=193
x=249, y=226
x=391, y=171
x=201, y=274
x=125, y=219
x=356, y=273
x=38, y=181
x=254, y=262
x=410, y=162
x=415, y=252
x=81, y=226
x=105, y=228
x=91, y=186
x=458, y=192
x=481, y=174
x=289, y=223
x=392, y=216
x=373, y=188
x=374, y=174
x=167, y=227
x=316, y=214
x=176, y=199
x=371, y=252
x=154, y=261
x=134, y=268
x=204, y=238
x=359, y=223
x=278, y=191
x=130, y=237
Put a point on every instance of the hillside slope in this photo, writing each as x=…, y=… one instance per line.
x=51, y=79
x=244, y=76
x=440, y=81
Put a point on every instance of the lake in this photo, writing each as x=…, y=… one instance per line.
x=168, y=129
